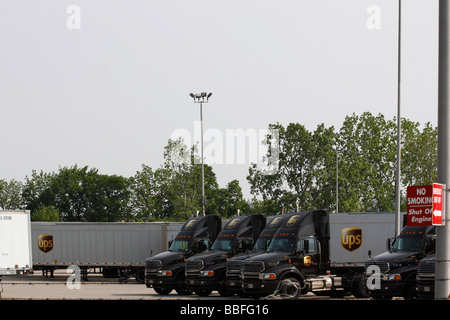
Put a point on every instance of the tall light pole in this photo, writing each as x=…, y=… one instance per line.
x=202, y=98
x=399, y=126
x=337, y=180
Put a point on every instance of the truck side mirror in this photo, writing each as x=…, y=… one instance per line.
x=302, y=246
x=389, y=244
x=199, y=246
x=306, y=246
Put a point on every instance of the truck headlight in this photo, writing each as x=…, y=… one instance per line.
x=266, y=276
x=207, y=273
x=393, y=276
x=165, y=273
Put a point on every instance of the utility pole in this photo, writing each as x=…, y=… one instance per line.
x=442, y=280
x=398, y=180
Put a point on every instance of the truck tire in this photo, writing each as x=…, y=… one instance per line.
x=291, y=288
x=180, y=285
x=409, y=290
x=139, y=275
x=359, y=288
x=203, y=292
x=223, y=290
x=163, y=291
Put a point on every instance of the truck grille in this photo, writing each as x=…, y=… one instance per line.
x=193, y=267
x=234, y=268
x=252, y=269
x=426, y=267
x=383, y=265
x=152, y=267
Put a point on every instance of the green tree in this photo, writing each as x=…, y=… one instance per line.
x=45, y=213
x=82, y=194
x=184, y=174
x=33, y=187
x=303, y=172
x=419, y=154
x=149, y=199
x=231, y=199
x=367, y=149
x=10, y=195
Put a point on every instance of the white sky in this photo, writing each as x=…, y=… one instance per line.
x=110, y=94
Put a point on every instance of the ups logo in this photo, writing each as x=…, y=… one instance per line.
x=189, y=224
x=292, y=221
x=351, y=238
x=233, y=223
x=307, y=261
x=275, y=222
x=45, y=242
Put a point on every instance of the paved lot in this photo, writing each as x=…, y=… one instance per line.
x=37, y=287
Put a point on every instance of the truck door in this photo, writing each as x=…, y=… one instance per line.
x=308, y=258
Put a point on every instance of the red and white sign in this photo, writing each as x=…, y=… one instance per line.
x=419, y=205
x=425, y=205
x=438, y=199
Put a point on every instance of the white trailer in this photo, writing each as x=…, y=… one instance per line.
x=353, y=236
x=114, y=248
x=15, y=242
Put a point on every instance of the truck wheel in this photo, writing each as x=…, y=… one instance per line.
x=409, y=291
x=359, y=288
x=291, y=288
x=163, y=291
x=223, y=290
x=180, y=286
x=203, y=292
x=140, y=275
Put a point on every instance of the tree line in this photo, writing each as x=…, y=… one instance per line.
x=356, y=165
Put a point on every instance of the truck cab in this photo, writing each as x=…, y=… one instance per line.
x=298, y=253
x=393, y=273
x=234, y=264
x=206, y=272
x=165, y=271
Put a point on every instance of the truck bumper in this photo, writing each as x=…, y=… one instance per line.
x=388, y=289
x=234, y=285
x=260, y=287
x=425, y=290
x=201, y=283
x=160, y=282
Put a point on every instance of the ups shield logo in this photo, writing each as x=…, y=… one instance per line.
x=351, y=238
x=45, y=242
x=233, y=223
x=292, y=221
x=307, y=261
x=189, y=224
x=275, y=222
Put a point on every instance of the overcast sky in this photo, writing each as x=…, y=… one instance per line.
x=105, y=83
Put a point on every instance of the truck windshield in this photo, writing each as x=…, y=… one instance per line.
x=222, y=245
x=282, y=244
x=407, y=243
x=261, y=244
x=180, y=245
